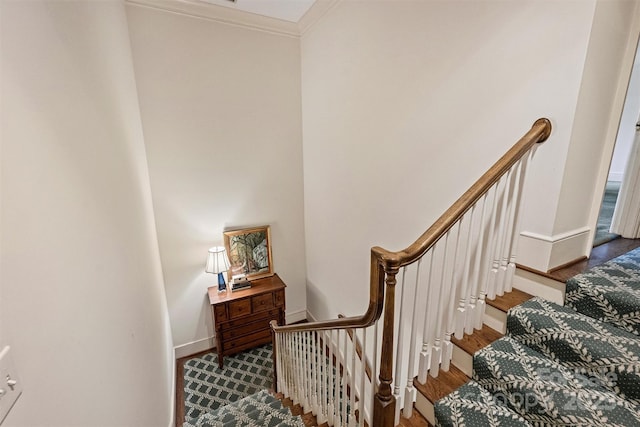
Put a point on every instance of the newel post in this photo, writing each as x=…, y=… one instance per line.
x=385, y=402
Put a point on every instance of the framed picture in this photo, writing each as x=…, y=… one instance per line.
x=249, y=252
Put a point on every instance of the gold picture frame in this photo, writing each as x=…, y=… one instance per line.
x=249, y=252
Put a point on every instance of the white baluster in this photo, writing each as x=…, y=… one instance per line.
x=511, y=268
x=352, y=381
x=285, y=364
x=345, y=379
x=322, y=358
x=461, y=311
x=399, y=349
x=311, y=384
x=436, y=350
x=338, y=395
x=502, y=238
x=450, y=300
x=291, y=366
x=363, y=375
x=374, y=372
x=493, y=269
x=298, y=372
x=425, y=353
x=276, y=348
x=409, y=391
x=478, y=274
x=331, y=411
x=300, y=375
x=313, y=372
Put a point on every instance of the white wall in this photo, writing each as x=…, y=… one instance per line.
x=221, y=115
x=83, y=304
x=627, y=131
x=405, y=104
x=589, y=143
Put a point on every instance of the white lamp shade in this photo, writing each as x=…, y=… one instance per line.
x=217, y=261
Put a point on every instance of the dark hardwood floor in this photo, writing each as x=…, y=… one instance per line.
x=599, y=255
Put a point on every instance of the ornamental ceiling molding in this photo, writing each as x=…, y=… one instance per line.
x=240, y=18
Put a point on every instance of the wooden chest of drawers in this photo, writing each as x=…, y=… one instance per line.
x=242, y=318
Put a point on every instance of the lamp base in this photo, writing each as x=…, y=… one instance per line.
x=222, y=285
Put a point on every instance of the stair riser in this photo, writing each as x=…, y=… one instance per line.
x=495, y=319
x=425, y=408
x=539, y=286
x=462, y=360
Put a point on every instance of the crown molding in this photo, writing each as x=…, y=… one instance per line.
x=315, y=13
x=223, y=15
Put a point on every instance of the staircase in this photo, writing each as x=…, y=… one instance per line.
x=573, y=365
x=461, y=369
x=457, y=345
x=422, y=301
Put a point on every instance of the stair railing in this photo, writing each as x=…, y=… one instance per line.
x=465, y=257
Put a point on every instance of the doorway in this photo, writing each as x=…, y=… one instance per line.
x=619, y=207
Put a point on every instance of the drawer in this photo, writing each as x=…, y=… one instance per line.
x=219, y=313
x=245, y=329
x=255, y=339
x=271, y=314
x=279, y=296
x=239, y=308
x=262, y=302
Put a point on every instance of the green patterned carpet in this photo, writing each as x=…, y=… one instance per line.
x=236, y=395
x=207, y=387
x=258, y=410
x=577, y=365
x=609, y=292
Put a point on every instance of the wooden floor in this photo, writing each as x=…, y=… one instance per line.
x=599, y=255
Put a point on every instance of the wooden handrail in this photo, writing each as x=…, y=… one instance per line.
x=383, y=261
x=538, y=133
x=374, y=310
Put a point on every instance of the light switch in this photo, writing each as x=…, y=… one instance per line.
x=10, y=384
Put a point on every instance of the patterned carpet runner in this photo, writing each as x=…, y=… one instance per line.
x=235, y=395
x=609, y=292
x=261, y=409
x=577, y=365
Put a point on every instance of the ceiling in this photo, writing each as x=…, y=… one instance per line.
x=286, y=10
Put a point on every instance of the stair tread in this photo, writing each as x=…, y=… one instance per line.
x=478, y=340
x=445, y=383
x=597, y=349
x=473, y=405
x=416, y=420
x=509, y=300
x=546, y=393
x=609, y=292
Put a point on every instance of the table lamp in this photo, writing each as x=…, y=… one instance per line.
x=217, y=263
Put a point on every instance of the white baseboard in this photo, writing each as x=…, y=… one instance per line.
x=544, y=253
x=311, y=317
x=208, y=343
x=296, y=316
x=194, y=347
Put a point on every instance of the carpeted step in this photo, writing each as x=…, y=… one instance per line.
x=472, y=405
x=609, y=292
x=545, y=393
x=258, y=410
x=604, y=353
